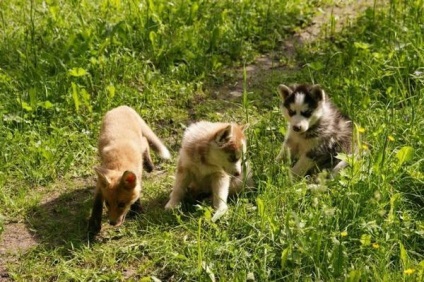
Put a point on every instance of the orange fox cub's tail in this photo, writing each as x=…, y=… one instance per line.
x=154, y=141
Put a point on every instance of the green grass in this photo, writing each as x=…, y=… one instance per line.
x=63, y=64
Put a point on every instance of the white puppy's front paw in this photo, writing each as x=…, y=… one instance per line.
x=220, y=212
x=171, y=205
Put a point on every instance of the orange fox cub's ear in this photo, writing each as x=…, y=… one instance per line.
x=101, y=174
x=129, y=179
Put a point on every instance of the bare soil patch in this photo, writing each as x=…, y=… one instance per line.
x=50, y=223
x=16, y=239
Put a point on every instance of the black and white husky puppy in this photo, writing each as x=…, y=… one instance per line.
x=317, y=130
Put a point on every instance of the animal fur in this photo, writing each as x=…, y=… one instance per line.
x=317, y=131
x=210, y=161
x=124, y=151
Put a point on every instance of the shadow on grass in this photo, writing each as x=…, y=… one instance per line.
x=62, y=221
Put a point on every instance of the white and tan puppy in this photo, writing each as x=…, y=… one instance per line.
x=211, y=160
x=124, y=152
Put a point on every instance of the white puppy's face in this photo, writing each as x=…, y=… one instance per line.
x=231, y=162
x=229, y=150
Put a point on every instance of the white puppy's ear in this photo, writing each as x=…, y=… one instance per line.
x=102, y=175
x=284, y=91
x=224, y=135
x=317, y=93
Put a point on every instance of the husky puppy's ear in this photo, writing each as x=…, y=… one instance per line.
x=284, y=91
x=224, y=135
x=129, y=179
x=317, y=93
x=101, y=174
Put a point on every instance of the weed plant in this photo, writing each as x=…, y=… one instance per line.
x=63, y=64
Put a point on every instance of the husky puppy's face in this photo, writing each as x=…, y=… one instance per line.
x=302, y=105
x=230, y=149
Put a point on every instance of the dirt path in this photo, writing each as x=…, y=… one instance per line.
x=17, y=237
x=328, y=20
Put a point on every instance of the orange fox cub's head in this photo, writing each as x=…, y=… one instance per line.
x=119, y=191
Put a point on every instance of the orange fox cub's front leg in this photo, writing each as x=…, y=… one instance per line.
x=95, y=222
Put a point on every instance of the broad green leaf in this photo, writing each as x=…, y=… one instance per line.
x=404, y=154
x=317, y=66
x=393, y=202
x=284, y=257
x=421, y=264
x=111, y=91
x=46, y=105
x=152, y=37
x=403, y=255
x=354, y=276
x=261, y=207
x=26, y=106
x=361, y=45
x=77, y=72
x=75, y=97
x=86, y=99
x=207, y=214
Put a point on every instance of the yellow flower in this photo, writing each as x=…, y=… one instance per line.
x=409, y=271
x=361, y=129
x=364, y=147
x=391, y=138
x=343, y=233
x=375, y=245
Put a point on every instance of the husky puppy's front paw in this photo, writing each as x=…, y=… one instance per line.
x=279, y=157
x=284, y=155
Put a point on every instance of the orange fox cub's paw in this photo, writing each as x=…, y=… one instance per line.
x=136, y=209
x=94, y=226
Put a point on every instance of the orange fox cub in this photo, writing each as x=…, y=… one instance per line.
x=124, y=152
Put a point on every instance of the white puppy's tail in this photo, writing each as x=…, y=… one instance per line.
x=154, y=141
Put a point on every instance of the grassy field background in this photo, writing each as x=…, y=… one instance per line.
x=63, y=64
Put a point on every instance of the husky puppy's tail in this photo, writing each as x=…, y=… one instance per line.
x=154, y=141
